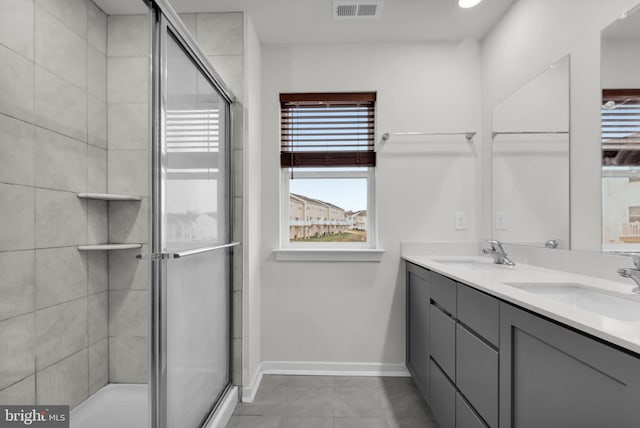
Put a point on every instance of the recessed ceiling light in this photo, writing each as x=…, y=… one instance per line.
x=466, y=4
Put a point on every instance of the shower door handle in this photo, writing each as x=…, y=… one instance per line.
x=155, y=256
x=195, y=251
x=185, y=253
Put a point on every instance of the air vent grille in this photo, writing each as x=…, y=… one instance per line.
x=346, y=10
x=357, y=9
x=367, y=9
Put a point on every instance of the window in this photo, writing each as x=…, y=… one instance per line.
x=620, y=128
x=327, y=161
x=620, y=169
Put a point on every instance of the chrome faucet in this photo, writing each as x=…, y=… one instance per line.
x=633, y=273
x=497, y=252
x=552, y=243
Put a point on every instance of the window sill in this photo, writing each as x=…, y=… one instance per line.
x=328, y=255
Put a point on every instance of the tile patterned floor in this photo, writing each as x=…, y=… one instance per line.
x=334, y=402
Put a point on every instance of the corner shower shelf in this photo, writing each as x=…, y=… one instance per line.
x=109, y=197
x=107, y=247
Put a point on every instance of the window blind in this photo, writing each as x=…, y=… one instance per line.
x=620, y=127
x=193, y=142
x=327, y=129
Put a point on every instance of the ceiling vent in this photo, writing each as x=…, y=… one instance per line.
x=357, y=9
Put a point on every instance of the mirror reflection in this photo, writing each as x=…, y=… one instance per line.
x=530, y=156
x=621, y=135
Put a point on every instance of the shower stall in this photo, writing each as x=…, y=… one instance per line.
x=116, y=242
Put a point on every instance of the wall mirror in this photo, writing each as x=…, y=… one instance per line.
x=530, y=161
x=620, y=125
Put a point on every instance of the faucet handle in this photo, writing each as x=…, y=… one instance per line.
x=495, y=245
x=552, y=243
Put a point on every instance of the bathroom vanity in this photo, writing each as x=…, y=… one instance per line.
x=494, y=346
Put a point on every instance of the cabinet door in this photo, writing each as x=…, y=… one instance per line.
x=551, y=376
x=418, y=327
x=479, y=312
x=443, y=292
x=443, y=341
x=477, y=374
x=465, y=416
x=443, y=398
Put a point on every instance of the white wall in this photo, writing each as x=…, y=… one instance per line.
x=354, y=312
x=532, y=35
x=620, y=63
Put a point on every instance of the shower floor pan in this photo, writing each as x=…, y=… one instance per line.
x=115, y=405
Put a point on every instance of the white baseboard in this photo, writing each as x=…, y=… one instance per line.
x=334, y=369
x=225, y=410
x=304, y=368
x=249, y=392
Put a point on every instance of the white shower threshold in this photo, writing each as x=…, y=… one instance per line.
x=124, y=405
x=115, y=405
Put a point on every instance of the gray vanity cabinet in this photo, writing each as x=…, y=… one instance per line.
x=443, y=341
x=418, y=307
x=443, y=398
x=482, y=362
x=477, y=374
x=466, y=417
x=464, y=369
x=552, y=376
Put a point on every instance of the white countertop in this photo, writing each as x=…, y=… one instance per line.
x=621, y=328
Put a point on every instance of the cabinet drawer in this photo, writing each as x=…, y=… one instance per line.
x=465, y=416
x=443, y=341
x=443, y=292
x=443, y=398
x=477, y=374
x=479, y=312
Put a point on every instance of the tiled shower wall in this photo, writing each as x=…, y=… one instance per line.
x=75, y=321
x=128, y=130
x=54, y=304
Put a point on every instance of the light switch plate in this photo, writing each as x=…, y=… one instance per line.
x=461, y=220
x=501, y=220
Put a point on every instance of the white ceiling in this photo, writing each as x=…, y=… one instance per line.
x=310, y=21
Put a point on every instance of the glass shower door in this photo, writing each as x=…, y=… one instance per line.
x=195, y=215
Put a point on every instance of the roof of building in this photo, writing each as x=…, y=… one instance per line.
x=190, y=216
x=361, y=213
x=314, y=201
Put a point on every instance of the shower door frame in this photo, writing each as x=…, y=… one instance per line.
x=165, y=20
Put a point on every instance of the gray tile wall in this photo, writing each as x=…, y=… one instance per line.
x=74, y=118
x=54, y=306
x=128, y=141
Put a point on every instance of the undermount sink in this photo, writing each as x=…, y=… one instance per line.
x=470, y=264
x=607, y=303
